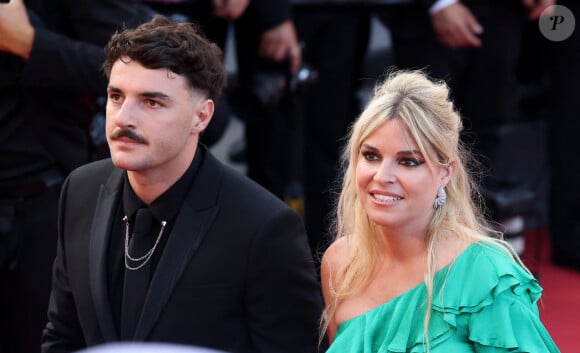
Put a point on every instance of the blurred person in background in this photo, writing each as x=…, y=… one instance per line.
x=267, y=51
x=336, y=36
x=474, y=45
x=50, y=74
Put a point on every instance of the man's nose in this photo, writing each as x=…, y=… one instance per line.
x=123, y=114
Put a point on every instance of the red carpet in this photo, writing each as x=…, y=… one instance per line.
x=560, y=302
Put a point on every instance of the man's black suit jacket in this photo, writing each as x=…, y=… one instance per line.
x=236, y=273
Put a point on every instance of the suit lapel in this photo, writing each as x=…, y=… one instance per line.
x=98, y=244
x=185, y=238
x=191, y=225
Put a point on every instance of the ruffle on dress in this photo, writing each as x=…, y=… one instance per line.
x=484, y=300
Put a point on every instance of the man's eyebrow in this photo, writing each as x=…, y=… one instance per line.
x=158, y=95
x=112, y=89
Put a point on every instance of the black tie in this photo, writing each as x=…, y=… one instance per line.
x=136, y=280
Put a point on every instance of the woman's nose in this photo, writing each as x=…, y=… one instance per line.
x=386, y=172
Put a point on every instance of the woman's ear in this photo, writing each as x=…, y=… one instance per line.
x=447, y=171
x=203, y=114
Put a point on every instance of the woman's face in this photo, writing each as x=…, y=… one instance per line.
x=396, y=184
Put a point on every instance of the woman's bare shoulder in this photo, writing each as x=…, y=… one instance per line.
x=335, y=253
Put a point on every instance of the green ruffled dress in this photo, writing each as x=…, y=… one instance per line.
x=483, y=302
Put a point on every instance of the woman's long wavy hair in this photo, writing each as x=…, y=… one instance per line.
x=424, y=107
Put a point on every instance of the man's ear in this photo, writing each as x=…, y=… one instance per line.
x=203, y=114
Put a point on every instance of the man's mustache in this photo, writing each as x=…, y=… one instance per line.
x=130, y=134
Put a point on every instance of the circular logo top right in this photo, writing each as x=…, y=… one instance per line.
x=557, y=23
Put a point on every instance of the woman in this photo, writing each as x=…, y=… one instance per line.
x=413, y=267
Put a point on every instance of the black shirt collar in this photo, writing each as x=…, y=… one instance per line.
x=167, y=205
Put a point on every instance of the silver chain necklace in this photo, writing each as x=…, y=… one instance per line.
x=145, y=258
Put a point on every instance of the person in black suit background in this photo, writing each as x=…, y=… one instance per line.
x=336, y=36
x=266, y=45
x=564, y=127
x=50, y=59
x=472, y=44
x=227, y=266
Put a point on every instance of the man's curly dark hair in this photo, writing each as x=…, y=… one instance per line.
x=181, y=48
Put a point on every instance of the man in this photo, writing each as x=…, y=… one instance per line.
x=50, y=72
x=227, y=265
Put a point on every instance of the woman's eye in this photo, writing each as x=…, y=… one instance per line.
x=411, y=162
x=370, y=156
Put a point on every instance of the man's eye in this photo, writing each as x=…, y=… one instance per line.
x=152, y=103
x=114, y=96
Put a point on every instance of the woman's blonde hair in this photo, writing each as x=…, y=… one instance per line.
x=424, y=107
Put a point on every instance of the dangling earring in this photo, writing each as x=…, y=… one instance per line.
x=441, y=197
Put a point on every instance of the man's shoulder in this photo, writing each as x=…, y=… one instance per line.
x=230, y=181
x=248, y=191
x=98, y=171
